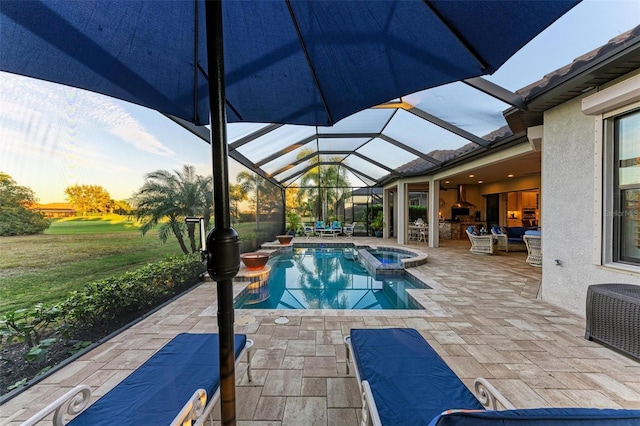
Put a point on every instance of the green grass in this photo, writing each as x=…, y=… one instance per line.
x=73, y=252
x=92, y=225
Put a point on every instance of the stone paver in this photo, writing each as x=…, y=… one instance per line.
x=481, y=315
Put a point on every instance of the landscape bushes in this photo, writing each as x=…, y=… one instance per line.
x=109, y=300
x=104, y=302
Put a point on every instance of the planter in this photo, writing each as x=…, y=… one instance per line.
x=284, y=239
x=255, y=260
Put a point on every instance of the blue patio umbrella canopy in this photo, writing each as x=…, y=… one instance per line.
x=299, y=62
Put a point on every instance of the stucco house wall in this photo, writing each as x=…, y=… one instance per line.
x=569, y=232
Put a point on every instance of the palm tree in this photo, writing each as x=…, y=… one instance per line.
x=249, y=182
x=323, y=186
x=173, y=196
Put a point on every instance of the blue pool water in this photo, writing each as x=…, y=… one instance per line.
x=324, y=278
x=385, y=256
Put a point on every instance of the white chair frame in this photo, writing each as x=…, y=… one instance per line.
x=347, y=230
x=534, y=249
x=482, y=244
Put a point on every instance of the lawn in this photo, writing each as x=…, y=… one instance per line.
x=75, y=251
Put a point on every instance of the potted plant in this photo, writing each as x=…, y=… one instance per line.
x=293, y=223
x=377, y=224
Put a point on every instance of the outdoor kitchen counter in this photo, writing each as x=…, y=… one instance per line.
x=451, y=230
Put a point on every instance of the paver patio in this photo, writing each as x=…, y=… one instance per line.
x=482, y=317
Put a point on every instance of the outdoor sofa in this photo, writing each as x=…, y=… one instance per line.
x=510, y=237
x=178, y=385
x=403, y=381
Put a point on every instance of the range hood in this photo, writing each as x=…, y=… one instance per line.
x=462, y=201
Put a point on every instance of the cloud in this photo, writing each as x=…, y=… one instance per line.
x=120, y=123
x=30, y=106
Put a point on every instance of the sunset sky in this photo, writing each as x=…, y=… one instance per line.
x=53, y=136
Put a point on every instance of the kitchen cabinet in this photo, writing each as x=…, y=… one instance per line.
x=513, y=201
x=530, y=199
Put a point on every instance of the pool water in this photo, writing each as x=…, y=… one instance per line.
x=386, y=256
x=324, y=278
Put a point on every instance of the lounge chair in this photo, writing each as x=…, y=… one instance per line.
x=403, y=381
x=480, y=243
x=179, y=383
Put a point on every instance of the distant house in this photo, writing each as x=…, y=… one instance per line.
x=55, y=209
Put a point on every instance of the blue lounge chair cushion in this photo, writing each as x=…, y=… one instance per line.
x=155, y=392
x=411, y=384
x=540, y=417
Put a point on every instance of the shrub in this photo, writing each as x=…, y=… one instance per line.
x=110, y=300
x=29, y=325
x=417, y=212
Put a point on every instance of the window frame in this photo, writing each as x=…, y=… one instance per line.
x=612, y=191
x=619, y=98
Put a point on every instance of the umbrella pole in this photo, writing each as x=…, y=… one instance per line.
x=223, y=243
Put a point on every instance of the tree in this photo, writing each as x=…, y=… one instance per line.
x=292, y=198
x=250, y=182
x=89, y=198
x=167, y=198
x=238, y=194
x=323, y=186
x=267, y=198
x=121, y=207
x=16, y=216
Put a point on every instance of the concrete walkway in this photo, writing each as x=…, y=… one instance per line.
x=482, y=316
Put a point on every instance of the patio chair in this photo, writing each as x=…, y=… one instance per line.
x=482, y=244
x=533, y=241
x=423, y=233
x=178, y=384
x=336, y=228
x=308, y=230
x=403, y=381
x=319, y=228
x=414, y=229
x=347, y=230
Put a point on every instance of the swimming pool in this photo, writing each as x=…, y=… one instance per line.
x=327, y=278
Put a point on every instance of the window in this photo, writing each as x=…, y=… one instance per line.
x=617, y=112
x=624, y=130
